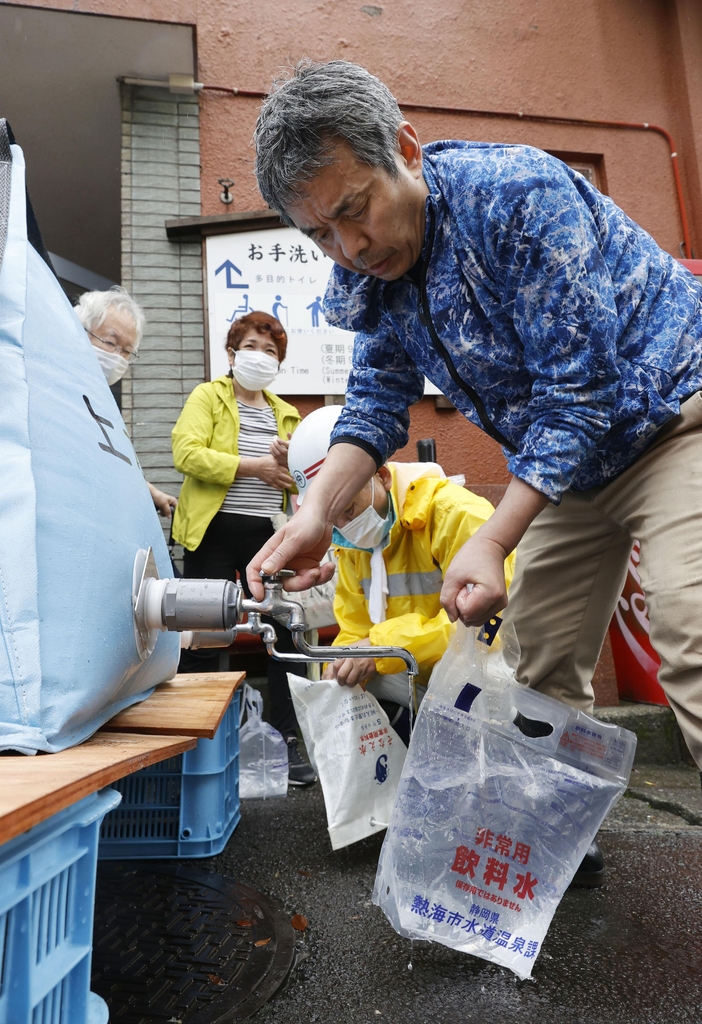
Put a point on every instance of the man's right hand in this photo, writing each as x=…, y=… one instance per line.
x=301, y=544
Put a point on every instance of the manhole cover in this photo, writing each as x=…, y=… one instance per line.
x=176, y=944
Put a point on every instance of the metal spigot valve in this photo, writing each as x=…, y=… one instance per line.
x=202, y=606
x=273, y=585
x=276, y=604
x=276, y=577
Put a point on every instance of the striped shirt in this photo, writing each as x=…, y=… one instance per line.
x=249, y=496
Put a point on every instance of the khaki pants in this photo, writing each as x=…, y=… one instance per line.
x=572, y=563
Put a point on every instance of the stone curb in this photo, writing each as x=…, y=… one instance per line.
x=684, y=810
x=659, y=738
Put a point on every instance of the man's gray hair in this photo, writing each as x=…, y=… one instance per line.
x=92, y=309
x=310, y=110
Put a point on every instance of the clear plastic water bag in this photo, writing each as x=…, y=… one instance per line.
x=502, y=792
x=263, y=752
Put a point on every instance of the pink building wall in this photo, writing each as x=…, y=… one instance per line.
x=633, y=60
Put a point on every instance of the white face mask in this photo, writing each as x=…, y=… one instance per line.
x=114, y=366
x=254, y=370
x=367, y=530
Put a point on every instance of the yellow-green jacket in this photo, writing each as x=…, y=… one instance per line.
x=434, y=518
x=205, y=449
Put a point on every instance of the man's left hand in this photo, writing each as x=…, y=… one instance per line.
x=350, y=671
x=481, y=564
x=474, y=584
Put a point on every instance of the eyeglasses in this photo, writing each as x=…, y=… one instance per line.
x=131, y=355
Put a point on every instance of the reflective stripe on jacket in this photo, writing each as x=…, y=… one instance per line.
x=434, y=521
x=205, y=449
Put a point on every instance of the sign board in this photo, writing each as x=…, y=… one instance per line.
x=279, y=271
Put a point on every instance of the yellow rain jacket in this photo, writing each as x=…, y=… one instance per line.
x=205, y=449
x=434, y=518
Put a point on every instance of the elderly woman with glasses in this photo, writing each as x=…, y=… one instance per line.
x=114, y=323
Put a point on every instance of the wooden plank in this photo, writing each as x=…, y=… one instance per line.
x=190, y=704
x=34, y=788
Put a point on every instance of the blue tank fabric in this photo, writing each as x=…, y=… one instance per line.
x=579, y=334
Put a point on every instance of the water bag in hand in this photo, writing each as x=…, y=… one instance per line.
x=74, y=511
x=502, y=792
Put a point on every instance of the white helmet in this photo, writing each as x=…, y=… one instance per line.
x=309, y=446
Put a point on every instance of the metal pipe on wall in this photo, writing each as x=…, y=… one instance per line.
x=582, y=122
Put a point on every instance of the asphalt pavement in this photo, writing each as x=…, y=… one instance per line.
x=628, y=953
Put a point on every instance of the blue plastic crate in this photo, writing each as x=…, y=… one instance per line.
x=186, y=807
x=47, y=899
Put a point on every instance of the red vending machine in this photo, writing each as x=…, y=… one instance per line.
x=635, y=661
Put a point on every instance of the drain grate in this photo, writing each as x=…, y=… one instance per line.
x=176, y=945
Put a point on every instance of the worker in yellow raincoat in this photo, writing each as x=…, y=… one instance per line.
x=393, y=544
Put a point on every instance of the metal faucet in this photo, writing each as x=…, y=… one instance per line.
x=276, y=604
x=291, y=614
x=211, y=611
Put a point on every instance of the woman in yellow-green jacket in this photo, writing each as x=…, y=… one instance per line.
x=230, y=442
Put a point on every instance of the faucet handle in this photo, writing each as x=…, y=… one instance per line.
x=276, y=577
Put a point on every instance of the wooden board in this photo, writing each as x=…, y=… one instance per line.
x=190, y=704
x=34, y=788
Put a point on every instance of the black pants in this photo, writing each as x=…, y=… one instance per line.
x=229, y=544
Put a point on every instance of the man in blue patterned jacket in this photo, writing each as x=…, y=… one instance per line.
x=553, y=322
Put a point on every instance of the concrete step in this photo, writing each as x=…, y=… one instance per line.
x=659, y=738
x=673, y=789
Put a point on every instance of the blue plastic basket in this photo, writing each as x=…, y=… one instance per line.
x=187, y=806
x=47, y=898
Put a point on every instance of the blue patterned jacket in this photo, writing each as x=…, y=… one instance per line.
x=546, y=315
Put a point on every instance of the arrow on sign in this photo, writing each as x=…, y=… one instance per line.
x=228, y=266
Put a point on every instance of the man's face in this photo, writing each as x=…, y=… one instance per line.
x=361, y=217
x=379, y=492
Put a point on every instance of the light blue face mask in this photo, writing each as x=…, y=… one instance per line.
x=368, y=530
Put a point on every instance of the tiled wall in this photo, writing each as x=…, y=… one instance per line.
x=161, y=180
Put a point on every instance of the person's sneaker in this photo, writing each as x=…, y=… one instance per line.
x=300, y=773
x=590, y=874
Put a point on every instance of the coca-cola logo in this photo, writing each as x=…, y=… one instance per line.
x=631, y=614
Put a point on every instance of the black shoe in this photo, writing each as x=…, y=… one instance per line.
x=300, y=773
x=590, y=874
